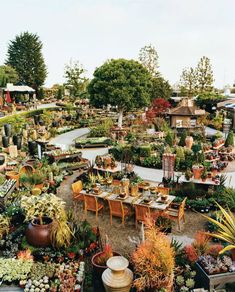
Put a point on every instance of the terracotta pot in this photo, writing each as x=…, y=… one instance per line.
x=13, y=175
x=189, y=142
x=197, y=172
x=39, y=186
x=97, y=272
x=117, y=278
x=233, y=254
x=26, y=169
x=39, y=235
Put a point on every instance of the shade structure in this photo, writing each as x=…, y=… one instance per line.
x=8, y=97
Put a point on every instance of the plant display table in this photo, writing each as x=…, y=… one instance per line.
x=216, y=281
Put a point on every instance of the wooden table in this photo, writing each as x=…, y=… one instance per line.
x=155, y=204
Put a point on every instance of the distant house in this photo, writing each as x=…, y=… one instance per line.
x=185, y=115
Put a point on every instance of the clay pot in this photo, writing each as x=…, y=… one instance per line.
x=26, y=169
x=117, y=278
x=33, y=147
x=197, y=171
x=39, y=235
x=189, y=142
x=13, y=175
x=233, y=254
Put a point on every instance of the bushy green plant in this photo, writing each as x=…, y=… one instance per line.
x=169, y=138
x=182, y=138
x=145, y=151
x=14, y=269
x=230, y=139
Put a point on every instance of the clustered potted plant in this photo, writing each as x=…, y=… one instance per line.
x=48, y=221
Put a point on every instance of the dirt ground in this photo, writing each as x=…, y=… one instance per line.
x=117, y=234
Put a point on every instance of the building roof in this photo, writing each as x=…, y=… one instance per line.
x=186, y=108
x=18, y=88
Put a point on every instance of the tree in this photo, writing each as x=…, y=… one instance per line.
x=188, y=82
x=209, y=100
x=7, y=75
x=182, y=138
x=148, y=57
x=158, y=108
x=161, y=88
x=25, y=55
x=204, y=75
x=230, y=139
x=125, y=84
x=169, y=138
x=75, y=79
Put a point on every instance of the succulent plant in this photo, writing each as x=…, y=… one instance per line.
x=180, y=280
x=190, y=283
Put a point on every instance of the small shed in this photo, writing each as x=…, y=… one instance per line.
x=185, y=115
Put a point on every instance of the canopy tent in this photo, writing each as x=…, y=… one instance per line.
x=18, y=88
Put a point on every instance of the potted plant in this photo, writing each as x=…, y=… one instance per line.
x=226, y=229
x=134, y=189
x=48, y=220
x=153, y=261
x=197, y=170
x=34, y=180
x=204, y=175
x=99, y=264
x=188, y=174
x=164, y=223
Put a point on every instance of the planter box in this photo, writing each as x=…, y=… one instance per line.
x=211, y=282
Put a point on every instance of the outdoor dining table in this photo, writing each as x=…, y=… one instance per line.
x=155, y=203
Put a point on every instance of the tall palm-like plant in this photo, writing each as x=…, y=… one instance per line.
x=226, y=228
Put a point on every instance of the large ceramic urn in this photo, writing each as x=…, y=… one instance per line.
x=189, y=142
x=117, y=278
x=39, y=235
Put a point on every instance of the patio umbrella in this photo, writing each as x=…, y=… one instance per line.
x=8, y=97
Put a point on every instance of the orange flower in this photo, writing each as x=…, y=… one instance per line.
x=191, y=253
x=25, y=255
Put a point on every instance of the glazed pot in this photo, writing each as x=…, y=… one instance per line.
x=189, y=142
x=36, y=119
x=33, y=148
x=97, y=272
x=7, y=129
x=5, y=141
x=17, y=140
x=117, y=278
x=39, y=235
x=2, y=159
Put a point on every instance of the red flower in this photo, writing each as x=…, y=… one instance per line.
x=71, y=255
x=191, y=253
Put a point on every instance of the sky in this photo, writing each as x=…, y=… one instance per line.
x=92, y=31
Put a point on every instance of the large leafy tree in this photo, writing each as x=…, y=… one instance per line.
x=205, y=77
x=25, y=55
x=125, y=84
x=148, y=57
x=161, y=88
x=8, y=75
x=75, y=79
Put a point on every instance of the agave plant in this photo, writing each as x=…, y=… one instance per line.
x=226, y=228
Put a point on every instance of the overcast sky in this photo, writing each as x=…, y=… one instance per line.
x=93, y=31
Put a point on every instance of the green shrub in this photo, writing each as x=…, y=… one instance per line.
x=230, y=139
x=145, y=151
x=182, y=138
x=169, y=138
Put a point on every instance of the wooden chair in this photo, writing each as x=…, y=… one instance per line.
x=76, y=188
x=91, y=204
x=117, y=209
x=163, y=190
x=140, y=213
x=177, y=214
